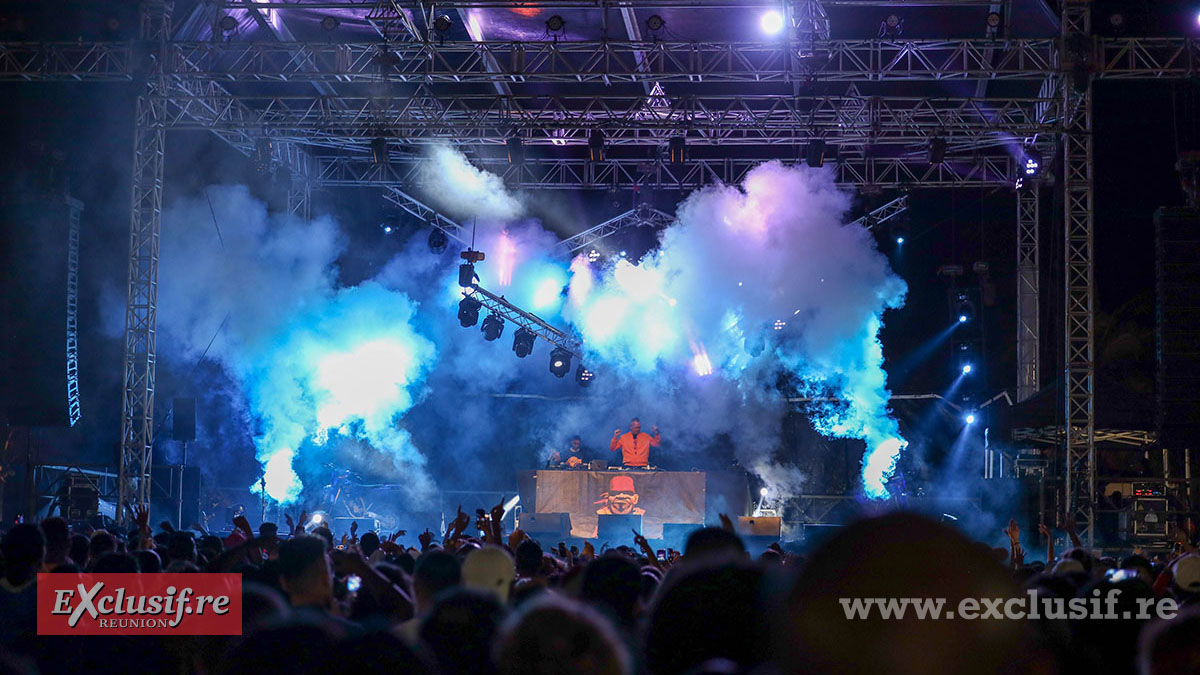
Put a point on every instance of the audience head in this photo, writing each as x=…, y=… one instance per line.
x=148, y=561
x=182, y=547
x=1171, y=647
x=23, y=550
x=899, y=555
x=305, y=572
x=369, y=544
x=58, y=540
x=613, y=584
x=78, y=550
x=115, y=563
x=707, y=611
x=552, y=635
x=459, y=631
x=101, y=542
x=529, y=559
x=709, y=542
x=489, y=569
x=435, y=571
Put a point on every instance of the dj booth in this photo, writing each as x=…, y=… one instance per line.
x=656, y=498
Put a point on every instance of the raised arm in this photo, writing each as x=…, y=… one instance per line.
x=615, y=443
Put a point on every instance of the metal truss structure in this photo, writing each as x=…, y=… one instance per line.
x=642, y=216
x=1028, y=291
x=317, y=107
x=427, y=215
x=498, y=305
x=883, y=214
x=75, y=209
x=1079, y=381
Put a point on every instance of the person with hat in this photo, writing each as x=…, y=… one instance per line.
x=621, y=498
x=635, y=446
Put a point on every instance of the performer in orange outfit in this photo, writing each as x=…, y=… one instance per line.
x=635, y=446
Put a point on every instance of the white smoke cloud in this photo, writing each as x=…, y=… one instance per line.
x=462, y=191
x=311, y=358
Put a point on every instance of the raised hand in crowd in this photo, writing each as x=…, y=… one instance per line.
x=514, y=540
x=726, y=523
x=497, y=524
x=242, y=525
x=1045, y=532
x=644, y=545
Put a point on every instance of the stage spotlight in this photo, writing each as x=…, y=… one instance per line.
x=596, y=145
x=330, y=23
x=771, y=22
x=438, y=241
x=891, y=27
x=379, y=150
x=969, y=418
x=468, y=312
x=466, y=275
x=227, y=24
x=442, y=24
x=624, y=254
x=1031, y=163
x=763, y=492
x=677, y=147
x=516, y=150
x=937, y=150
x=560, y=362
x=655, y=23
x=993, y=23
x=965, y=312
x=523, y=342
x=966, y=369
x=387, y=228
x=112, y=28
x=555, y=24
x=584, y=376
x=492, y=328
x=962, y=318
x=1117, y=21
x=593, y=255
x=899, y=240
x=317, y=518
x=814, y=154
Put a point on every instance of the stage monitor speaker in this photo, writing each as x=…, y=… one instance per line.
x=618, y=530
x=546, y=524
x=763, y=526
x=1150, y=517
x=184, y=426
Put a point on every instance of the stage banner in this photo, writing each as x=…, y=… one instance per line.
x=658, y=496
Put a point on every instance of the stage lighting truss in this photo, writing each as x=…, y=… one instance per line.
x=527, y=323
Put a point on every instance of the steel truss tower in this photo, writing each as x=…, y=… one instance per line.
x=322, y=135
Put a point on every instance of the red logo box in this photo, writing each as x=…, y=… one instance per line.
x=139, y=604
